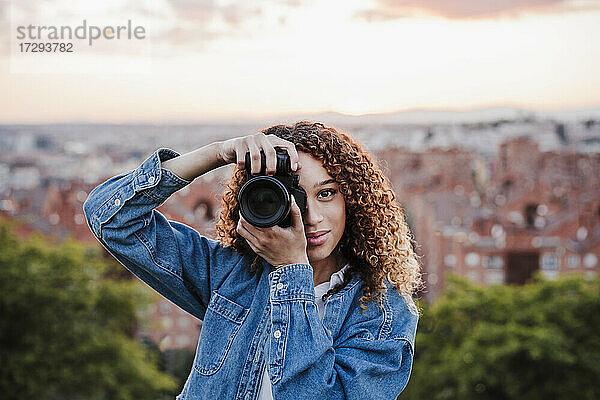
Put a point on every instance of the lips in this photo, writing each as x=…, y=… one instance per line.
x=316, y=238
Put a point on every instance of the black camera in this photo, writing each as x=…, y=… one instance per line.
x=264, y=200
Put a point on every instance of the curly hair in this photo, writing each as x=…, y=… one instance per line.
x=376, y=243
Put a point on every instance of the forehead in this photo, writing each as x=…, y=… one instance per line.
x=312, y=171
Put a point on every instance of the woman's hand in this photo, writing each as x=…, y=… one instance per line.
x=279, y=246
x=234, y=150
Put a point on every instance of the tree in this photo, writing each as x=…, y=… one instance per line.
x=537, y=341
x=66, y=329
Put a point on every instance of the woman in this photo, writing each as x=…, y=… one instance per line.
x=319, y=310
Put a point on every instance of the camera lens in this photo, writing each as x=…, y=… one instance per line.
x=264, y=201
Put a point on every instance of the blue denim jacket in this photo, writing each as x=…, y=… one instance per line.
x=252, y=321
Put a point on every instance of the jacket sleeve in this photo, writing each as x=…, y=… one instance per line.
x=303, y=358
x=171, y=257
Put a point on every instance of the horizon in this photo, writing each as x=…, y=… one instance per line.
x=436, y=114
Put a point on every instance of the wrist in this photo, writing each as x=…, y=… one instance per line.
x=299, y=260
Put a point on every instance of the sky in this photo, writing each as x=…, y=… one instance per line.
x=206, y=59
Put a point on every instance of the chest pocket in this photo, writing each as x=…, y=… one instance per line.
x=222, y=321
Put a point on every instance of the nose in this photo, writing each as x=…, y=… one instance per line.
x=313, y=214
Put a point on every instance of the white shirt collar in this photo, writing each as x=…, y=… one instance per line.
x=336, y=277
x=324, y=287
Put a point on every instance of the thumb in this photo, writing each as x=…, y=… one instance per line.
x=297, y=222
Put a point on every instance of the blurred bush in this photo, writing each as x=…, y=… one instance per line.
x=68, y=318
x=67, y=325
x=537, y=341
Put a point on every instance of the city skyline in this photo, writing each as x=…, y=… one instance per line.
x=493, y=202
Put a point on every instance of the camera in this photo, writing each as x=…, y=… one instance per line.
x=266, y=201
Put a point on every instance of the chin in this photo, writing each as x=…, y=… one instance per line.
x=317, y=255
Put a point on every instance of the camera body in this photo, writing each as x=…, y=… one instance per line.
x=266, y=201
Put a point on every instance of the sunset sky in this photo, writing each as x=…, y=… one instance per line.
x=205, y=59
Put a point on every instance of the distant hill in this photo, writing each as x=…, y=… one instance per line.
x=416, y=116
x=404, y=117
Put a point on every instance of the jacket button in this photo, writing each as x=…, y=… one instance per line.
x=277, y=334
x=280, y=286
x=151, y=180
x=117, y=202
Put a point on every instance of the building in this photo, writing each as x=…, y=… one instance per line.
x=498, y=221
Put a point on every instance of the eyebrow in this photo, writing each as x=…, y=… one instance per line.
x=324, y=183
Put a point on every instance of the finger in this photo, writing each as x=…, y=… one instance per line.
x=245, y=233
x=257, y=233
x=254, y=156
x=294, y=160
x=253, y=247
x=270, y=154
x=277, y=230
x=291, y=150
x=297, y=222
x=240, y=155
x=250, y=240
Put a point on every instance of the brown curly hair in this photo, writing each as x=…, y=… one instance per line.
x=376, y=243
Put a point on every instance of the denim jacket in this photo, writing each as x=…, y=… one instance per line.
x=252, y=320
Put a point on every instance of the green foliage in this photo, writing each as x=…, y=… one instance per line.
x=175, y=362
x=537, y=341
x=66, y=329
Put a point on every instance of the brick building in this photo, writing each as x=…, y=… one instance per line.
x=499, y=220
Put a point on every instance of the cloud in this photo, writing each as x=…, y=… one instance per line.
x=462, y=9
x=175, y=26
x=191, y=24
x=381, y=15
x=200, y=11
x=204, y=12
x=194, y=23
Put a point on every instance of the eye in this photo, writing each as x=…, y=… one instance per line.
x=326, y=193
